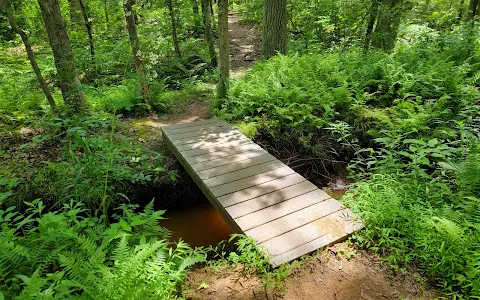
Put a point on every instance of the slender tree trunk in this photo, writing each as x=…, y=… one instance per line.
x=274, y=28
x=88, y=26
x=224, y=46
x=388, y=22
x=461, y=10
x=131, y=19
x=30, y=53
x=208, y=32
x=472, y=10
x=75, y=11
x=373, y=13
x=105, y=10
x=67, y=76
x=173, y=20
x=196, y=16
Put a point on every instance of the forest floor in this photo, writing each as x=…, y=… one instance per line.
x=322, y=275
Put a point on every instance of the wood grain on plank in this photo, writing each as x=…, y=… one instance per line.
x=259, y=190
x=173, y=131
x=270, y=199
x=204, y=144
x=233, y=135
x=224, y=153
x=255, y=180
x=243, y=173
x=204, y=133
x=320, y=233
x=191, y=124
x=277, y=211
x=215, y=148
x=239, y=165
x=227, y=160
x=297, y=219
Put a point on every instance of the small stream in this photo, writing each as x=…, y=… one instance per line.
x=198, y=225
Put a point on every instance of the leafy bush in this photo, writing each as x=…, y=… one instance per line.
x=74, y=252
x=85, y=159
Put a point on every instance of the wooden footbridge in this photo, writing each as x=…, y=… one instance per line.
x=256, y=193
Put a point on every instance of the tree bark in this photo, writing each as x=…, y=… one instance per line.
x=67, y=76
x=105, y=10
x=75, y=11
x=388, y=22
x=88, y=26
x=472, y=10
x=207, y=23
x=224, y=47
x=274, y=28
x=373, y=13
x=461, y=10
x=30, y=53
x=131, y=20
x=196, y=17
x=173, y=21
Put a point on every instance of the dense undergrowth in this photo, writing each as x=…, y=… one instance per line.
x=409, y=124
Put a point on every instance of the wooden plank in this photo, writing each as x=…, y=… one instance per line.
x=297, y=219
x=271, y=199
x=221, y=210
x=204, y=143
x=216, y=148
x=207, y=132
x=312, y=236
x=255, y=180
x=243, y=173
x=277, y=211
x=233, y=134
x=227, y=160
x=168, y=128
x=173, y=131
x=219, y=154
x=210, y=173
x=259, y=190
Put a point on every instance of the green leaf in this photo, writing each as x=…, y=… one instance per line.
x=125, y=225
x=202, y=286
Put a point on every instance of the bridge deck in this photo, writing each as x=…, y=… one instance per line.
x=256, y=193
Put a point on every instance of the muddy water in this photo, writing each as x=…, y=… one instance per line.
x=198, y=225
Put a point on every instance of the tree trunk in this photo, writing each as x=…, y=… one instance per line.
x=373, y=13
x=30, y=53
x=274, y=28
x=472, y=10
x=196, y=17
x=88, y=26
x=173, y=20
x=67, y=76
x=388, y=21
x=461, y=10
x=75, y=11
x=208, y=32
x=105, y=10
x=131, y=19
x=224, y=47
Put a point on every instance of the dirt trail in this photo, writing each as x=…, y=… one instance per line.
x=322, y=277
x=244, y=43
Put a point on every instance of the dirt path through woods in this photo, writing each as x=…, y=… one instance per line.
x=244, y=43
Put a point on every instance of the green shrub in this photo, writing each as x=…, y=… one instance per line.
x=74, y=252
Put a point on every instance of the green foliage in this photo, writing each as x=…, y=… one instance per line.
x=87, y=159
x=74, y=253
x=253, y=259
